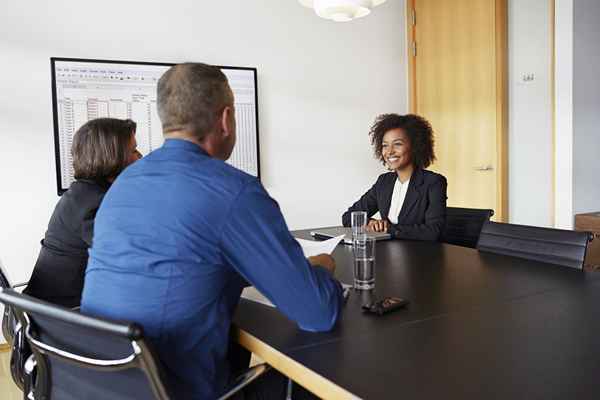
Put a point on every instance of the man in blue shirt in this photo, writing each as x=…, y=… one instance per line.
x=180, y=233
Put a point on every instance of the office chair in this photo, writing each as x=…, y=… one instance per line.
x=553, y=246
x=463, y=225
x=12, y=332
x=8, y=321
x=76, y=356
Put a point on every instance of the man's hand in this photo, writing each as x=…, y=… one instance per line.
x=323, y=260
x=378, y=225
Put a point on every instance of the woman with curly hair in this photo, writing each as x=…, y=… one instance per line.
x=410, y=199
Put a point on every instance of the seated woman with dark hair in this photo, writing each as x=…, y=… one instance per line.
x=410, y=199
x=101, y=149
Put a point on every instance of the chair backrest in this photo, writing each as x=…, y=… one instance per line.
x=13, y=334
x=82, y=357
x=553, y=246
x=4, y=282
x=8, y=321
x=463, y=225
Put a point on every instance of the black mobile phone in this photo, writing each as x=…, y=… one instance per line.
x=385, y=306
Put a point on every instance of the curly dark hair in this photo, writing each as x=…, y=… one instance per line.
x=418, y=130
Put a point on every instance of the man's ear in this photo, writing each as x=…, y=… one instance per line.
x=225, y=121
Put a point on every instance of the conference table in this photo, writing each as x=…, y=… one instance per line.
x=478, y=326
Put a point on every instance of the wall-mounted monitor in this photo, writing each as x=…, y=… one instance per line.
x=87, y=89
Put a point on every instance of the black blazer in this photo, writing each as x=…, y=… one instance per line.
x=423, y=214
x=60, y=268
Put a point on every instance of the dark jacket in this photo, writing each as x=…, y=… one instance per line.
x=60, y=268
x=423, y=214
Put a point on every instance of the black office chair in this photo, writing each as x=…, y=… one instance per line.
x=553, y=246
x=12, y=332
x=82, y=357
x=8, y=320
x=463, y=225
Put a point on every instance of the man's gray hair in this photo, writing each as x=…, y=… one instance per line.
x=190, y=97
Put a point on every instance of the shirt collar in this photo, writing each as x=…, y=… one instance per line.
x=400, y=182
x=184, y=145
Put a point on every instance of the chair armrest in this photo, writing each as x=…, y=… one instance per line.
x=245, y=379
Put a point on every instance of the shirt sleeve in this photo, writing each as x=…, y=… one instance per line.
x=256, y=242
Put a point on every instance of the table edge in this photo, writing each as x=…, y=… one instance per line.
x=299, y=373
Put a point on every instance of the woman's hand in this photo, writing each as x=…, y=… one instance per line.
x=378, y=225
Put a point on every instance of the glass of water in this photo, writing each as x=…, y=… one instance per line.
x=358, y=221
x=364, y=263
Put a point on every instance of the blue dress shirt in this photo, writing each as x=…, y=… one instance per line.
x=177, y=237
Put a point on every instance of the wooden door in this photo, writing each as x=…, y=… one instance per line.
x=458, y=71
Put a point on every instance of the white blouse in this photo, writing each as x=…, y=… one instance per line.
x=397, y=200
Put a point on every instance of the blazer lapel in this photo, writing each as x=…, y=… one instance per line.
x=387, y=191
x=413, y=193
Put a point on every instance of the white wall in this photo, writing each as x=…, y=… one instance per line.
x=530, y=113
x=586, y=106
x=563, y=108
x=320, y=86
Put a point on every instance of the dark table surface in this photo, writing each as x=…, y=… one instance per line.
x=478, y=326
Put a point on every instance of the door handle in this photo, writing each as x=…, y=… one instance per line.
x=484, y=168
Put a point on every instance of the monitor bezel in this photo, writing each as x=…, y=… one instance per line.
x=60, y=190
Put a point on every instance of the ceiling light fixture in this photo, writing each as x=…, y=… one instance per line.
x=341, y=10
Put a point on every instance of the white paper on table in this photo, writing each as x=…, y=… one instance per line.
x=310, y=248
x=250, y=293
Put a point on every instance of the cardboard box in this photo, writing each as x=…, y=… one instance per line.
x=590, y=222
